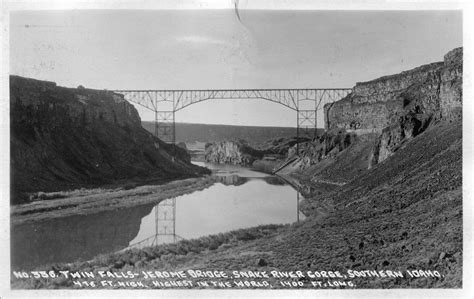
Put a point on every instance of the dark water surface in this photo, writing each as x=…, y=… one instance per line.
x=243, y=198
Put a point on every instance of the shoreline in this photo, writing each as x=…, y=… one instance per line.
x=361, y=225
x=91, y=201
x=87, y=201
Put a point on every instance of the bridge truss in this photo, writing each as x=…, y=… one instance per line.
x=165, y=104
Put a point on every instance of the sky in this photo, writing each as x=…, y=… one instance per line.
x=212, y=49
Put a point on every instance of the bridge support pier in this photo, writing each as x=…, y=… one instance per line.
x=165, y=126
x=175, y=100
x=306, y=125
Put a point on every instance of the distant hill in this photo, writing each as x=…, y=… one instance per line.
x=188, y=132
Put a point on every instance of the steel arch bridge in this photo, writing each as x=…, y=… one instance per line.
x=306, y=119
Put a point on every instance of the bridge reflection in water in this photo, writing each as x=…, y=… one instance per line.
x=165, y=224
x=241, y=199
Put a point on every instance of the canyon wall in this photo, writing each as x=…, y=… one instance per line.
x=433, y=91
x=401, y=106
x=65, y=138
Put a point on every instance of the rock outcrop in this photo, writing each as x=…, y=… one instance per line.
x=451, y=85
x=64, y=138
x=335, y=158
x=263, y=157
x=327, y=145
x=401, y=106
x=378, y=118
x=433, y=91
x=231, y=152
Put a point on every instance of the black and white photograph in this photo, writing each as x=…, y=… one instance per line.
x=208, y=146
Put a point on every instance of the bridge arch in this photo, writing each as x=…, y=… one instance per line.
x=156, y=100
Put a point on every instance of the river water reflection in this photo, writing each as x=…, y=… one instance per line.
x=242, y=198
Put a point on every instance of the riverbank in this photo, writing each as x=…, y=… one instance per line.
x=89, y=201
x=232, y=203
x=404, y=214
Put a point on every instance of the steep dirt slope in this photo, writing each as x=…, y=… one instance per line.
x=406, y=213
x=63, y=138
x=378, y=117
x=336, y=157
x=403, y=214
x=403, y=105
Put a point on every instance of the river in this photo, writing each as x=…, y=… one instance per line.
x=242, y=198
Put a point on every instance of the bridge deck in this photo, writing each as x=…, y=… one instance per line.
x=165, y=103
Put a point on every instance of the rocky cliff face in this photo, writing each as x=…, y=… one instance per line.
x=63, y=138
x=451, y=85
x=401, y=106
x=379, y=117
x=231, y=152
x=239, y=152
x=428, y=92
x=327, y=145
